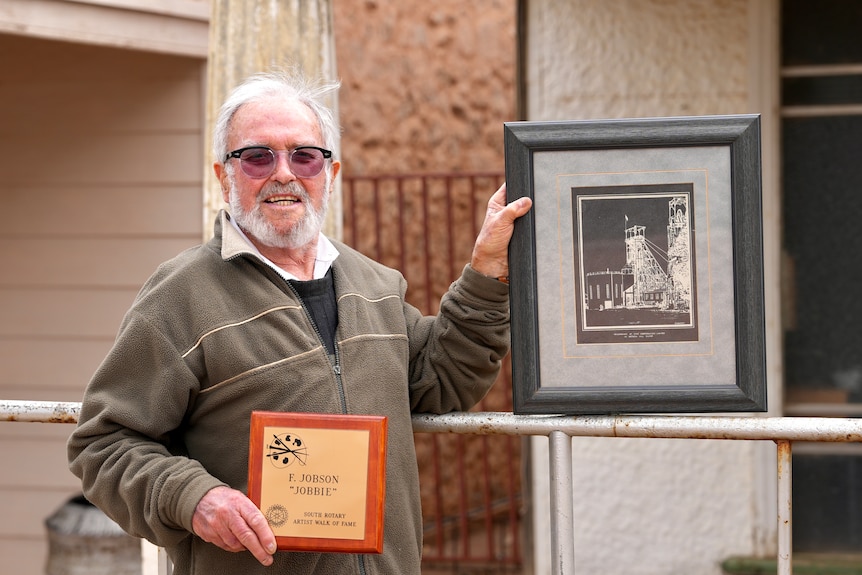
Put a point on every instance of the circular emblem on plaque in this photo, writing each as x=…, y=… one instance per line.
x=276, y=515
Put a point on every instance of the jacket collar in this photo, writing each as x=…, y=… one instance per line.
x=232, y=242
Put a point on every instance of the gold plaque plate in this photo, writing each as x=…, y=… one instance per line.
x=320, y=479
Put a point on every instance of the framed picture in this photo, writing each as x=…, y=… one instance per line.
x=637, y=277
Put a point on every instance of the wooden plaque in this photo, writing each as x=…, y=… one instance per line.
x=319, y=479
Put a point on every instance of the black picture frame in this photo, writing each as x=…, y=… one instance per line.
x=600, y=325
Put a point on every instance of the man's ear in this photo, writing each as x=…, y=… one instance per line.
x=221, y=174
x=336, y=167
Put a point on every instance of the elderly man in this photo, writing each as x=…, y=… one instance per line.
x=272, y=315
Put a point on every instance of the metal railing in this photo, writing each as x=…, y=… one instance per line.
x=560, y=430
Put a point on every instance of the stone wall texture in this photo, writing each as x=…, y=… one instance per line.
x=426, y=86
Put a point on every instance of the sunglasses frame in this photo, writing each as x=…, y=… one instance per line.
x=327, y=154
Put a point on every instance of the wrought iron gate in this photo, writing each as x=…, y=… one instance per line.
x=425, y=225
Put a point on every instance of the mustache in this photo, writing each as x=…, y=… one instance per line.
x=275, y=188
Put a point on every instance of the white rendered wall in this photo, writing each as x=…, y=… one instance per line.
x=644, y=506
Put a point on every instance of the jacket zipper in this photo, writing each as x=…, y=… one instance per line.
x=336, y=367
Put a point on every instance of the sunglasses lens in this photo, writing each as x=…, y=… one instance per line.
x=260, y=162
x=306, y=162
x=257, y=162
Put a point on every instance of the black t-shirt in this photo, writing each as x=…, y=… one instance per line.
x=319, y=299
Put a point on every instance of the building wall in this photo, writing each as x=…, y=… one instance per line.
x=635, y=58
x=650, y=507
x=100, y=156
x=101, y=160
x=426, y=86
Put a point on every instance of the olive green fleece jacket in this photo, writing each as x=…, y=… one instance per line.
x=215, y=334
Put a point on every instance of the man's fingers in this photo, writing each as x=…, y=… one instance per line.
x=248, y=540
x=255, y=534
x=518, y=208
x=227, y=518
x=262, y=530
x=227, y=540
x=515, y=209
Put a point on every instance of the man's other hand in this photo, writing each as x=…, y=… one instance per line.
x=491, y=251
x=227, y=518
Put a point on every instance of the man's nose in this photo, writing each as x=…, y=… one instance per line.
x=283, y=172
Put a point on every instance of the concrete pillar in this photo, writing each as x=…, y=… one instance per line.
x=251, y=36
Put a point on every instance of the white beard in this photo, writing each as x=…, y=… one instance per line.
x=253, y=222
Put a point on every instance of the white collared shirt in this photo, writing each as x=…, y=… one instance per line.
x=326, y=254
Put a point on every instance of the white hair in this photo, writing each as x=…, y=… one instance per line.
x=290, y=86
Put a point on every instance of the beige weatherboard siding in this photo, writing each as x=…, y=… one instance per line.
x=178, y=27
x=100, y=180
